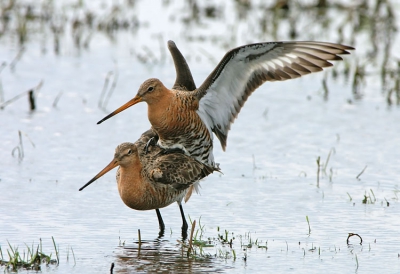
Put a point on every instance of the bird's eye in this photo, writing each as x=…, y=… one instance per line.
x=150, y=89
x=129, y=151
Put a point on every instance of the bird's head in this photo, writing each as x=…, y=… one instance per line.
x=150, y=91
x=126, y=155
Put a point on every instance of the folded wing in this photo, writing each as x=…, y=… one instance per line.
x=178, y=170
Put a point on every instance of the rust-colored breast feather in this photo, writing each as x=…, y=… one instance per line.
x=176, y=116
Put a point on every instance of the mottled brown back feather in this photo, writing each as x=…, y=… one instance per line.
x=175, y=169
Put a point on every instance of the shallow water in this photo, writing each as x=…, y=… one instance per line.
x=269, y=181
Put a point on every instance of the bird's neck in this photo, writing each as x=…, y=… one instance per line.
x=159, y=110
x=131, y=186
x=173, y=108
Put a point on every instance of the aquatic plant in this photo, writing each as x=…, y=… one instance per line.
x=30, y=259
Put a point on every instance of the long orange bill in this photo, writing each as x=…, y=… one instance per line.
x=132, y=102
x=110, y=166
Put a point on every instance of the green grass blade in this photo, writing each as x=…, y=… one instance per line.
x=55, y=247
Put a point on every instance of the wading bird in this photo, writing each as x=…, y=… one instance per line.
x=186, y=119
x=149, y=178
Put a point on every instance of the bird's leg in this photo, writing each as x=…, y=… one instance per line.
x=151, y=142
x=160, y=223
x=184, y=223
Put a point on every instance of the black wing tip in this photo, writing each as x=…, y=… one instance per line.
x=345, y=52
x=348, y=48
x=171, y=44
x=221, y=137
x=338, y=46
x=342, y=47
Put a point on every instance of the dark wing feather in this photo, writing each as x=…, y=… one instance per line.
x=184, y=79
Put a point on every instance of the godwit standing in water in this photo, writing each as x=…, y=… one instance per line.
x=152, y=179
x=186, y=120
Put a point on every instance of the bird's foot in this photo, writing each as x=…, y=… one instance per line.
x=151, y=142
x=161, y=233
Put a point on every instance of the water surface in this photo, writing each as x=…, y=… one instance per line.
x=269, y=181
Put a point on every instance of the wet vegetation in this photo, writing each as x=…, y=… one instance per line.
x=33, y=258
x=231, y=247
x=54, y=25
x=370, y=23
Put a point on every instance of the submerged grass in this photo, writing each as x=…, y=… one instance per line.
x=322, y=167
x=369, y=197
x=309, y=227
x=224, y=246
x=30, y=93
x=229, y=246
x=30, y=259
x=55, y=248
x=362, y=171
x=25, y=21
x=348, y=194
x=20, y=147
x=196, y=245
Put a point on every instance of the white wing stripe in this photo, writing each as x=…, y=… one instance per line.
x=243, y=69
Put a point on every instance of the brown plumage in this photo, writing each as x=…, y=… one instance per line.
x=149, y=179
x=185, y=118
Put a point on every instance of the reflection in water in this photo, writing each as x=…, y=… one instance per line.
x=160, y=256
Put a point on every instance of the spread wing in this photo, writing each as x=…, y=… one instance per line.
x=245, y=68
x=178, y=170
x=184, y=79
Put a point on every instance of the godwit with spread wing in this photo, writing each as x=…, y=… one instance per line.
x=150, y=179
x=186, y=120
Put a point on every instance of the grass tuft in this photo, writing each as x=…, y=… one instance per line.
x=31, y=259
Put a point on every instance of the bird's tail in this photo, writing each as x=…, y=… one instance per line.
x=196, y=186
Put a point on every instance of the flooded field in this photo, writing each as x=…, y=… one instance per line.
x=274, y=208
